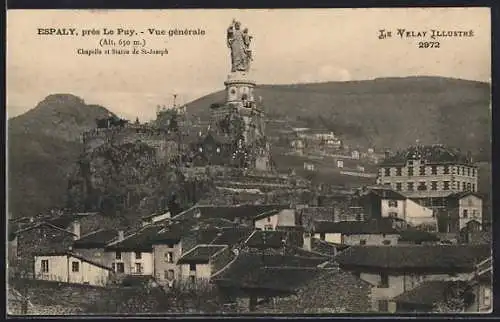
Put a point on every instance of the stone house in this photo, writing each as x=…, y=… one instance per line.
x=202, y=261
x=71, y=268
x=270, y=220
x=371, y=232
x=237, y=281
x=395, y=270
x=467, y=206
x=92, y=245
x=383, y=202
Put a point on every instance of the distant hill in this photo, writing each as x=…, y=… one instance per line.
x=43, y=145
x=383, y=113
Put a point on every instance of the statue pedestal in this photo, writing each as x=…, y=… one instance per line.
x=239, y=88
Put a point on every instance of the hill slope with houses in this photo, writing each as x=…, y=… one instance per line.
x=44, y=143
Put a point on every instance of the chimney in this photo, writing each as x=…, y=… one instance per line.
x=120, y=235
x=76, y=230
x=307, y=241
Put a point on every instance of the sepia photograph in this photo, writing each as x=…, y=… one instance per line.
x=258, y=162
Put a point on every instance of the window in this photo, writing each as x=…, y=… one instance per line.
x=410, y=162
x=386, y=242
x=268, y=219
x=192, y=279
x=410, y=171
x=138, y=268
x=465, y=214
x=421, y=186
x=434, y=185
x=446, y=169
x=473, y=172
x=387, y=171
x=384, y=281
x=393, y=203
x=434, y=170
x=45, y=265
x=473, y=187
x=398, y=171
x=422, y=171
x=486, y=296
x=170, y=257
x=468, y=171
x=469, y=187
x=463, y=186
x=169, y=274
x=268, y=227
x=383, y=305
x=192, y=267
x=75, y=267
x=393, y=214
x=398, y=186
x=113, y=267
x=138, y=255
x=410, y=186
x=120, y=268
x=118, y=255
x=322, y=236
x=446, y=185
x=474, y=213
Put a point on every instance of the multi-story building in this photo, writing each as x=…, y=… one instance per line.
x=429, y=174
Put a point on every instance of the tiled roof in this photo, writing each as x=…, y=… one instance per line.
x=433, y=154
x=41, y=224
x=200, y=254
x=228, y=212
x=461, y=194
x=427, y=293
x=70, y=254
x=286, y=279
x=354, y=227
x=96, y=239
x=266, y=239
x=231, y=236
x=65, y=220
x=144, y=238
x=444, y=258
x=326, y=248
x=386, y=193
x=248, y=262
x=266, y=214
x=417, y=236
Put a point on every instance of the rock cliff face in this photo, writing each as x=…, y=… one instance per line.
x=127, y=181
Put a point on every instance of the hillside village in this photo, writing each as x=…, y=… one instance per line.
x=242, y=214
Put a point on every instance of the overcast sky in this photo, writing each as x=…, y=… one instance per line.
x=290, y=46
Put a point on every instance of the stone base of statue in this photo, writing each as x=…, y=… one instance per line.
x=239, y=88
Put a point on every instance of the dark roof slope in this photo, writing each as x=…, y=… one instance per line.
x=65, y=220
x=200, y=254
x=461, y=194
x=96, y=239
x=70, y=254
x=231, y=236
x=444, y=258
x=427, y=293
x=355, y=227
x=266, y=239
x=432, y=154
x=285, y=279
x=417, y=236
x=326, y=248
x=248, y=262
x=228, y=212
x=143, y=239
x=386, y=193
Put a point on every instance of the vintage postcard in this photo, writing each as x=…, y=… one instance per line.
x=205, y=162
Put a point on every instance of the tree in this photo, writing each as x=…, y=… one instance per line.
x=457, y=298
